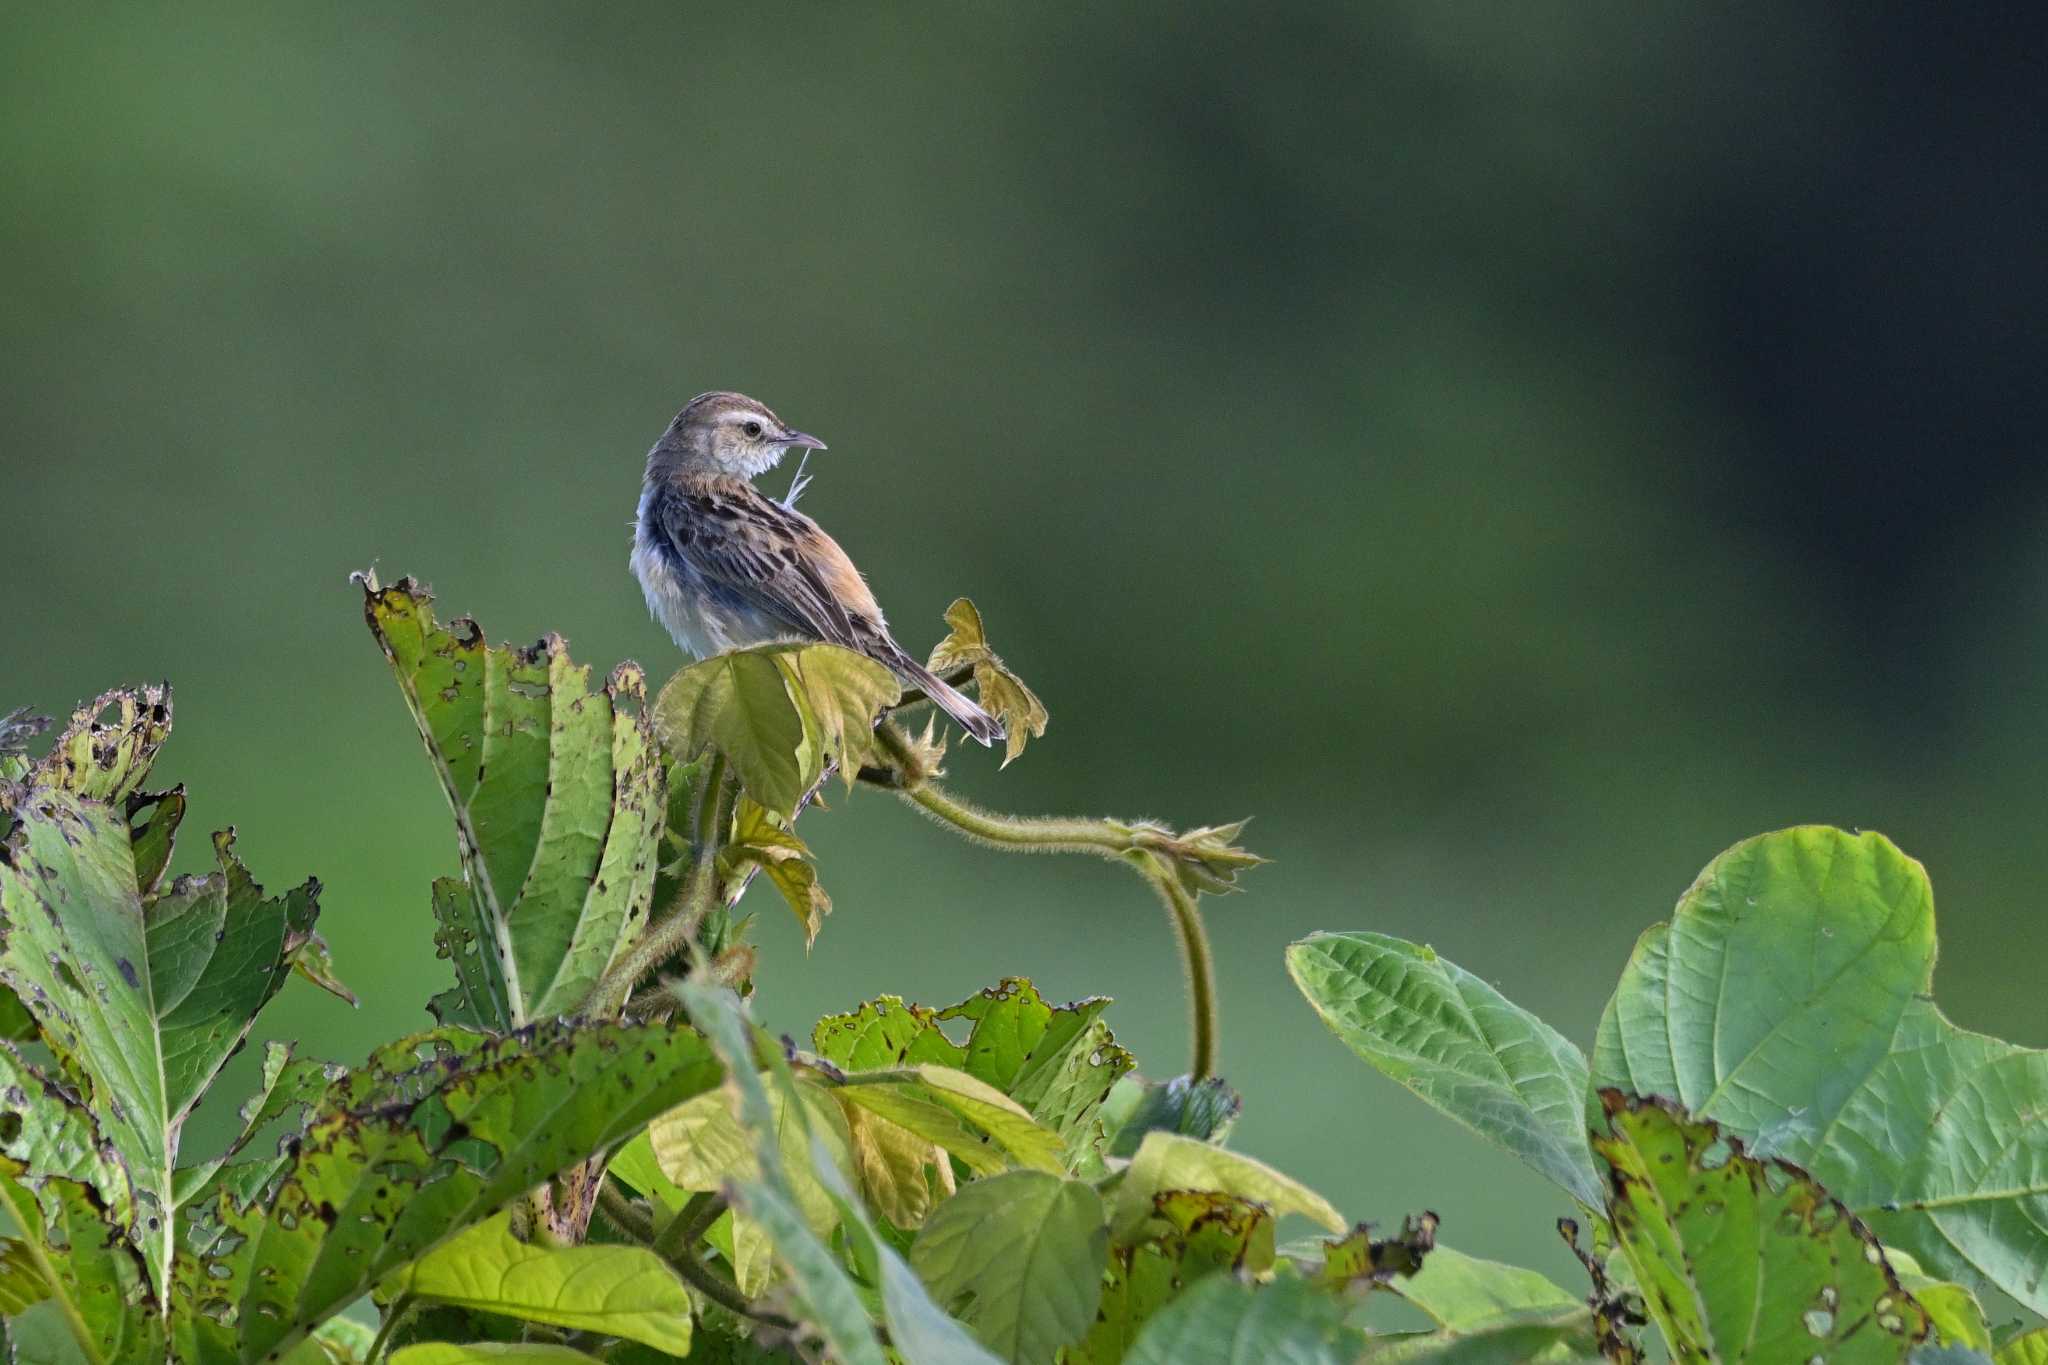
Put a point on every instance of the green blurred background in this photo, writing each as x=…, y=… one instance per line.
x=1513, y=451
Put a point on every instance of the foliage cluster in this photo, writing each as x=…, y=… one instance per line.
x=1778, y=1150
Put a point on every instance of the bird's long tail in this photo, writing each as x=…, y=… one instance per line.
x=971, y=718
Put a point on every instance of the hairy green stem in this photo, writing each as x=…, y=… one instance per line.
x=1105, y=839
x=1196, y=964
x=692, y=1221
x=394, y=1318
x=624, y=1214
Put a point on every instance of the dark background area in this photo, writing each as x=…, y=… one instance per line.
x=1514, y=452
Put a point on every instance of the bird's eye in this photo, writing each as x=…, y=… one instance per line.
x=753, y=429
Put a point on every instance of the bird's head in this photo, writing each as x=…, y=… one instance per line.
x=726, y=433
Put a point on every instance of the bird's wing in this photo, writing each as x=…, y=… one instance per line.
x=774, y=559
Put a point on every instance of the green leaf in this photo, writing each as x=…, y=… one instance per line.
x=1456, y=1042
x=490, y=1353
x=620, y=1291
x=961, y=1114
x=1001, y=692
x=1168, y=1161
x=1561, y=1338
x=430, y=1152
x=2030, y=1348
x=844, y=693
x=21, y=1281
x=1465, y=1294
x=918, y=1332
x=701, y=1145
x=1225, y=1321
x=1058, y=1061
x=146, y=1004
x=764, y=840
x=94, y=1282
x=778, y=713
x=1957, y=1316
x=558, y=797
x=1206, y=1109
x=1192, y=1235
x=1789, y=999
x=1742, y=1259
x=824, y=1293
x=1018, y=1258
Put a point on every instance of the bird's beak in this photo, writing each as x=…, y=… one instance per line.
x=804, y=439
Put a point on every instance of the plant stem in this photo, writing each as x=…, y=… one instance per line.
x=689, y=1225
x=665, y=937
x=1196, y=964
x=623, y=1213
x=1137, y=848
x=394, y=1317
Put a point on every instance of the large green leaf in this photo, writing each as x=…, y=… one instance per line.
x=620, y=1291
x=1465, y=1294
x=1168, y=1161
x=1058, y=1061
x=1018, y=1258
x=95, y=1284
x=1789, y=999
x=778, y=713
x=427, y=1153
x=143, y=1004
x=1742, y=1259
x=1457, y=1043
x=558, y=796
x=1227, y=1321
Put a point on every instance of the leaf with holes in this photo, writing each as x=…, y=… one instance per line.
x=1168, y=1161
x=1790, y=1000
x=1190, y=1234
x=1057, y=1061
x=559, y=803
x=1745, y=1259
x=144, y=1002
x=436, y=1149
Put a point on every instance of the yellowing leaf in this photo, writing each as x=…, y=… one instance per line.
x=700, y=1145
x=1003, y=694
x=760, y=839
x=1168, y=1161
x=897, y=1168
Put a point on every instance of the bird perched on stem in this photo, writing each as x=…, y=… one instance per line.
x=725, y=566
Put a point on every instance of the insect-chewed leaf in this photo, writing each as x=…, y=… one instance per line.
x=106, y=750
x=1168, y=1161
x=558, y=795
x=1790, y=999
x=919, y=1333
x=1002, y=693
x=369, y=1189
x=146, y=1002
x=89, y=1272
x=1359, y=1258
x=1193, y=1234
x=1742, y=1259
x=1058, y=1061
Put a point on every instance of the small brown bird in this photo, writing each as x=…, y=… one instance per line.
x=724, y=566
